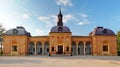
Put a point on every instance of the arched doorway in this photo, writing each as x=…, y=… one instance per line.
x=39, y=48
x=88, y=48
x=46, y=48
x=31, y=48
x=73, y=49
x=80, y=48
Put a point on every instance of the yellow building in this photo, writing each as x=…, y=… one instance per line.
x=101, y=41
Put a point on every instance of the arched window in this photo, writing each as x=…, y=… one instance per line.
x=80, y=48
x=73, y=49
x=31, y=48
x=87, y=48
x=46, y=48
x=39, y=48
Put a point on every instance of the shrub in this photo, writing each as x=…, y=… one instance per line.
x=1, y=52
x=118, y=52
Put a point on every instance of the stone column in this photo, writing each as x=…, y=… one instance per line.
x=42, y=48
x=56, y=48
x=84, y=48
x=76, y=48
x=63, y=49
x=35, y=49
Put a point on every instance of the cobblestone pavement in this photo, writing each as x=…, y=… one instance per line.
x=60, y=61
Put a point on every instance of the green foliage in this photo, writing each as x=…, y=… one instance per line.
x=118, y=43
x=2, y=30
x=1, y=52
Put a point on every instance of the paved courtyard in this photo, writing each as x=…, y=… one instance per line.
x=60, y=61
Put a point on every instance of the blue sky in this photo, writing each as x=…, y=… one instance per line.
x=81, y=16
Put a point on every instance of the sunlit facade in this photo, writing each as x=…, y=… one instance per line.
x=101, y=41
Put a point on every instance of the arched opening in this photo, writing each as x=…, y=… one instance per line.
x=31, y=48
x=46, y=48
x=80, y=48
x=73, y=49
x=39, y=48
x=88, y=48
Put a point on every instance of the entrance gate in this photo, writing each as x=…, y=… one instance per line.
x=60, y=49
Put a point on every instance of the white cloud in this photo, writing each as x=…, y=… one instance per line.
x=51, y=20
x=83, y=22
x=26, y=16
x=64, y=2
x=44, y=19
x=54, y=20
x=67, y=18
x=83, y=15
x=8, y=22
x=47, y=19
x=39, y=32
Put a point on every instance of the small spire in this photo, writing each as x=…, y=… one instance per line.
x=60, y=23
x=59, y=9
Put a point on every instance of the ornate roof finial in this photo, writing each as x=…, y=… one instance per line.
x=59, y=9
x=60, y=23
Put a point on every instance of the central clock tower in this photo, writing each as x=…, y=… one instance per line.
x=60, y=38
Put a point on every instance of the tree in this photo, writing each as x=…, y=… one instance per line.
x=2, y=30
x=118, y=43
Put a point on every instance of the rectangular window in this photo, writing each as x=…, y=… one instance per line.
x=105, y=48
x=67, y=48
x=52, y=48
x=47, y=49
x=14, y=48
x=71, y=49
